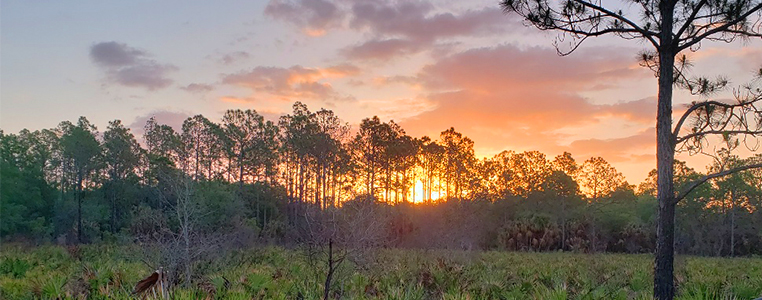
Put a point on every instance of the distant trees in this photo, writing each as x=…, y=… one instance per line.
x=26, y=194
x=250, y=145
x=315, y=156
x=247, y=179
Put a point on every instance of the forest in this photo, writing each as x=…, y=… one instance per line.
x=255, y=181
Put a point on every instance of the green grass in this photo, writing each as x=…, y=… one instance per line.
x=110, y=272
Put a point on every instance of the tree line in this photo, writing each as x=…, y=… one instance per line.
x=254, y=178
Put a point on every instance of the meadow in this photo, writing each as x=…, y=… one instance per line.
x=111, y=272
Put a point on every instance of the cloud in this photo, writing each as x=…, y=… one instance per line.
x=234, y=57
x=174, y=119
x=396, y=28
x=398, y=108
x=508, y=96
x=293, y=82
x=313, y=17
x=408, y=27
x=382, y=49
x=397, y=79
x=114, y=54
x=503, y=67
x=198, y=88
x=642, y=111
x=129, y=66
x=617, y=149
x=413, y=19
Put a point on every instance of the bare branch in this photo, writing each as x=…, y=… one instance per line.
x=689, y=21
x=645, y=33
x=745, y=33
x=578, y=18
x=722, y=28
x=700, y=181
x=749, y=103
x=716, y=132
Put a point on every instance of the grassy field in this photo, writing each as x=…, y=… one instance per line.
x=110, y=272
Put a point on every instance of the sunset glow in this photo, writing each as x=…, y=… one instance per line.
x=427, y=65
x=421, y=196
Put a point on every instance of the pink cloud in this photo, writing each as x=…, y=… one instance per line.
x=509, y=97
x=498, y=68
x=293, y=82
x=617, y=149
x=642, y=111
x=396, y=28
x=382, y=49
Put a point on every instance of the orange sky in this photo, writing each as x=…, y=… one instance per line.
x=427, y=65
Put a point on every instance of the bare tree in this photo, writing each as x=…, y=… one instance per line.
x=670, y=27
x=181, y=242
x=332, y=236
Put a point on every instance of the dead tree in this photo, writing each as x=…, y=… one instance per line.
x=184, y=244
x=670, y=27
x=334, y=235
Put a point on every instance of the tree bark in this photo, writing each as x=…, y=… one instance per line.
x=79, y=207
x=732, y=223
x=664, y=288
x=113, y=208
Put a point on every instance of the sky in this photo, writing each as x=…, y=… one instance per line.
x=428, y=65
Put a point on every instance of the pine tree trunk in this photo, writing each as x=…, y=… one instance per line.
x=113, y=209
x=79, y=208
x=664, y=288
x=732, y=224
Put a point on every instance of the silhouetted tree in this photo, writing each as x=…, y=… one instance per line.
x=431, y=160
x=252, y=144
x=598, y=178
x=82, y=151
x=458, y=160
x=121, y=155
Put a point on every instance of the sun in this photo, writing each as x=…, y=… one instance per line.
x=420, y=193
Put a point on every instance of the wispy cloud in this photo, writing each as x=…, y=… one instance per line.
x=292, y=83
x=234, y=57
x=313, y=17
x=617, y=149
x=198, y=88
